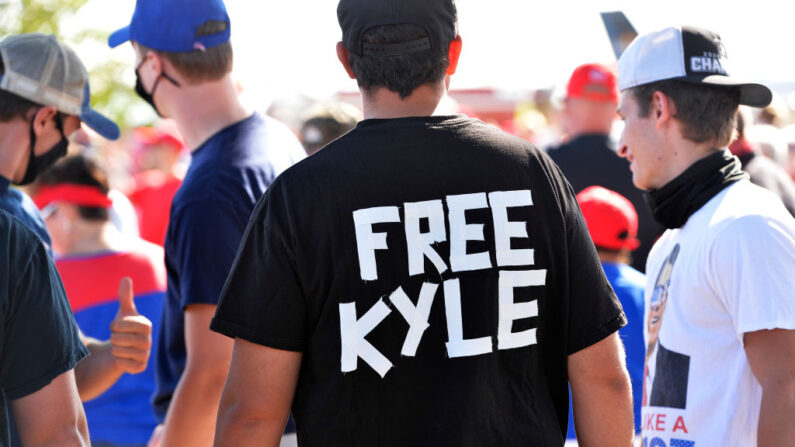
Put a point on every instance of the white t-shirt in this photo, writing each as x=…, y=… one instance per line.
x=728, y=271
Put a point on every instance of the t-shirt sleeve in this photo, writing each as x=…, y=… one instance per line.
x=594, y=310
x=205, y=248
x=41, y=337
x=754, y=274
x=262, y=301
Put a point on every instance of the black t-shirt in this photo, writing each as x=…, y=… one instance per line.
x=471, y=235
x=590, y=160
x=38, y=336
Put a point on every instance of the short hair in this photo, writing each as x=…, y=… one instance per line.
x=199, y=65
x=13, y=106
x=707, y=113
x=400, y=74
x=80, y=170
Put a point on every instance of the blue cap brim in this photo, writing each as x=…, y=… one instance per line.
x=119, y=37
x=101, y=124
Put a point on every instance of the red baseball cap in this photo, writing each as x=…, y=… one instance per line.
x=612, y=220
x=593, y=82
x=151, y=136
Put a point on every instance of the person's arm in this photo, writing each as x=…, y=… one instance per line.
x=127, y=350
x=52, y=416
x=601, y=394
x=192, y=413
x=256, y=400
x=771, y=354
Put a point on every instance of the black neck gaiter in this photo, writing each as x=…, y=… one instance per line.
x=677, y=200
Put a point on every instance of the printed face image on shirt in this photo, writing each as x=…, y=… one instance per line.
x=659, y=299
x=665, y=383
x=425, y=224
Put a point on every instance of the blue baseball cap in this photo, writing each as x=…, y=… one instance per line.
x=170, y=25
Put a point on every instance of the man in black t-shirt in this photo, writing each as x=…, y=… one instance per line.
x=422, y=280
x=589, y=157
x=39, y=344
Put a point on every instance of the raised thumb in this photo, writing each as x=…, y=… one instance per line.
x=126, y=303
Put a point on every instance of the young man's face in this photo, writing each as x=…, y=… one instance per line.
x=641, y=145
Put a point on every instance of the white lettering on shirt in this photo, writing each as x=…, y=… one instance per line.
x=416, y=316
x=420, y=244
x=461, y=232
x=367, y=241
x=504, y=230
x=457, y=346
x=511, y=311
x=353, y=332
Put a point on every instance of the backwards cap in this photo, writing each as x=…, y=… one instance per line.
x=171, y=25
x=687, y=54
x=437, y=17
x=593, y=82
x=611, y=219
x=44, y=71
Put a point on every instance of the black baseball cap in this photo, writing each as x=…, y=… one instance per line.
x=688, y=54
x=437, y=17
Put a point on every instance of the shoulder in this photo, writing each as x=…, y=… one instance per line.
x=743, y=206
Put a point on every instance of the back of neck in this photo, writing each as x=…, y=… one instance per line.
x=202, y=110
x=382, y=103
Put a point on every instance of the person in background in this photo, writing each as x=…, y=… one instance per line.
x=589, y=157
x=325, y=122
x=159, y=177
x=184, y=71
x=94, y=257
x=613, y=226
x=762, y=170
x=35, y=124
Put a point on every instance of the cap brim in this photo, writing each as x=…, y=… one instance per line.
x=751, y=94
x=119, y=37
x=100, y=124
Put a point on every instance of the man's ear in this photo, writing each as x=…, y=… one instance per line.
x=453, y=54
x=43, y=119
x=344, y=57
x=663, y=109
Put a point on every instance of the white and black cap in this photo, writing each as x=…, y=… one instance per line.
x=687, y=54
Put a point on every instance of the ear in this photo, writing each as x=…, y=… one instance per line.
x=663, y=109
x=44, y=119
x=453, y=54
x=344, y=57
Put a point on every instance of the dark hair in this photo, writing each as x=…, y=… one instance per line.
x=200, y=66
x=13, y=106
x=707, y=113
x=79, y=170
x=400, y=74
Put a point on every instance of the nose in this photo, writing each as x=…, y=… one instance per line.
x=623, y=149
x=623, y=152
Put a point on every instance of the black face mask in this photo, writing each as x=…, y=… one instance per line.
x=39, y=164
x=676, y=201
x=149, y=97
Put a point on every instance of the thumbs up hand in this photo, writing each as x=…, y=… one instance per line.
x=131, y=333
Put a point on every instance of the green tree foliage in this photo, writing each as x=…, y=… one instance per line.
x=109, y=93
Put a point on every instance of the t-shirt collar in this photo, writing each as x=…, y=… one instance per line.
x=4, y=184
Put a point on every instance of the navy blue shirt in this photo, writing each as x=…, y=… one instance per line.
x=227, y=175
x=19, y=205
